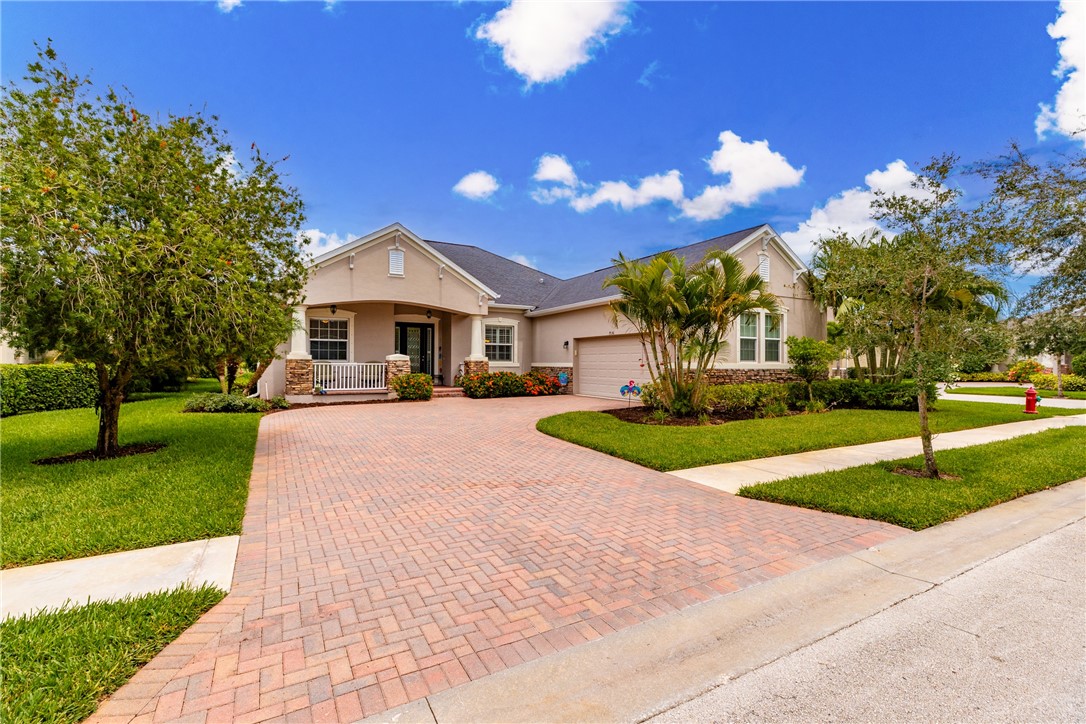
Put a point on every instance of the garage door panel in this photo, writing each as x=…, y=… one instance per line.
x=605, y=364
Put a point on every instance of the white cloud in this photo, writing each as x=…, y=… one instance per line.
x=1069, y=114
x=753, y=170
x=477, y=185
x=228, y=5
x=661, y=187
x=228, y=162
x=543, y=41
x=521, y=259
x=850, y=210
x=645, y=79
x=550, y=195
x=553, y=167
x=320, y=242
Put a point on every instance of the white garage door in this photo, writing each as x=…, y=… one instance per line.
x=605, y=364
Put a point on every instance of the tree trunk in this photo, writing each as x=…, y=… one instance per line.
x=254, y=380
x=1059, y=375
x=220, y=372
x=930, y=468
x=110, y=397
x=231, y=375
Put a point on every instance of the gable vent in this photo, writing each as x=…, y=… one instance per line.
x=395, y=262
x=763, y=267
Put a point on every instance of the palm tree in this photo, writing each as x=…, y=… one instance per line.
x=682, y=314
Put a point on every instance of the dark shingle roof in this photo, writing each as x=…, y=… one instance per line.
x=517, y=284
x=521, y=285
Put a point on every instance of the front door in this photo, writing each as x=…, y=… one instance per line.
x=416, y=340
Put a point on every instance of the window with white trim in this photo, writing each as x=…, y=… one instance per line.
x=772, y=338
x=499, y=343
x=395, y=262
x=748, y=337
x=328, y=339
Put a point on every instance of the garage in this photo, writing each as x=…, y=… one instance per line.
x=605, y=364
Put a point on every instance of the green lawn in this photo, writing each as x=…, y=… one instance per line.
x=1040, y=461
x=663, y=447
x=57, y=666
x=195, y=488
x=1013, y=392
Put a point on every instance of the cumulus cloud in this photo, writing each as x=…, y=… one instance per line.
x=477, y=185
x=526, y=261
x=753, y=169
x=661, y=187
x=320, y=242
x=543, y=41
x=850, y=210
x=228, y=5
x=1068, y=115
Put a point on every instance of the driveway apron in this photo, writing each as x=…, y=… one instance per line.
x=393, y=551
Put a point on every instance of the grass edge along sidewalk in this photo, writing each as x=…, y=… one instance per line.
x=1040, y=460
x=1005, y=391
x=59, y=665
x=667, y=448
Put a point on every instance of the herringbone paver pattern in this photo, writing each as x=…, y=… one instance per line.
x=393, y=551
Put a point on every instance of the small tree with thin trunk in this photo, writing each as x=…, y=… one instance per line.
x=810, y=360
x=130, y=242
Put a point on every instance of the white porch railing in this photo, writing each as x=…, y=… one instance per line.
x=349, y=376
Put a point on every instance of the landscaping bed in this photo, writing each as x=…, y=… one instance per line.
x=58, y=665
x=876, y=492
x=662, y=447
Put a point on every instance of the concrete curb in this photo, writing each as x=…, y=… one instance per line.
x=117, y=575
x=644, y=670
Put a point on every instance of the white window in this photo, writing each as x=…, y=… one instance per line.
x=748, y=337
x=395, y=262
x=499, y=343
x=772, y=338
x=328, y=339
x=763, y=267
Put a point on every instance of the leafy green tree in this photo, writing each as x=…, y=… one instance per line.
x=130, y=241
x=682, y=313
x=1055, y=332
x=1039, y=209
x=810, y=359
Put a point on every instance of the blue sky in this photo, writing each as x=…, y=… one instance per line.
x=562, y=133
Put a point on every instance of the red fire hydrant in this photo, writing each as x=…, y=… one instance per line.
x=1031, y=401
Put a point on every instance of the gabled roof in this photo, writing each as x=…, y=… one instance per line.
x=517, y=285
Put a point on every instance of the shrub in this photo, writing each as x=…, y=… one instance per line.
x=166, y=377
x=753, y=397
x=279, y=403
x=218, y=402
x=867, y=395
x=649, y=398
x=1021, y=371
x=509, y=384
x=415, y=386
x=1071, y=383
x=1078, y=365
x=982, y=377
x=810, y=358
x=39, y=388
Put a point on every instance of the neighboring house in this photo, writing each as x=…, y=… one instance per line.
x=12, y=356
x=390, y=301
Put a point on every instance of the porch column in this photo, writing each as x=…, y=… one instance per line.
x=299, y=338
x=477, y=338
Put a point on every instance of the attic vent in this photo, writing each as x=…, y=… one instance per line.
x=395, y=262
x=763, y=267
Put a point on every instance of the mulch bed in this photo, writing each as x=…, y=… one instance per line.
x=643, y=416
x=138, y=448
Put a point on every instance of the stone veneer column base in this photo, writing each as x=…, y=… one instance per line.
x=739, y=376
x=476, y=366
x=396, y=365
x=554, y=372
x=299, y=376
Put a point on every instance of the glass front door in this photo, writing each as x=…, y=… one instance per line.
x=417, y=342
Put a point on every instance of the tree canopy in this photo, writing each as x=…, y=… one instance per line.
x=132, y=241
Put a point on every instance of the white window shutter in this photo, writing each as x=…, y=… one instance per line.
x=395, y=262
x=763, y=267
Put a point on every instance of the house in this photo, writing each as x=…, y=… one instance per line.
x=390, y=302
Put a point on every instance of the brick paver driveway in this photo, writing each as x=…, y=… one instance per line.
x=392, y=551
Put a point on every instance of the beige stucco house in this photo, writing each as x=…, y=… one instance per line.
x=390, y=300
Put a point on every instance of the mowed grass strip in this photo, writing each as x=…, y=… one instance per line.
x=990, y=474
x=195, y=488
x=1014, y=392
x=663, y=447
x=58, y=665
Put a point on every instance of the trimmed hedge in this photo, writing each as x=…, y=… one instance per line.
x=218, y=402
x=416, y=386
x=509, y=384
x=39, y=388
x=983, y=377
x=1071, y=383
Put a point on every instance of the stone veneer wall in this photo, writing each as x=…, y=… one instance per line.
x=476, y=366
x=299, y=376
x=553, y=372
x=397, y=368
x=739, y=376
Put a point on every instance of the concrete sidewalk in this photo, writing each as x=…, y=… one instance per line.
x=651, y=668
x=117, y=575
x=1042, y=402
x=729, y=477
